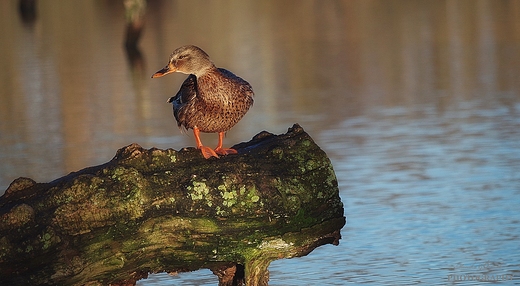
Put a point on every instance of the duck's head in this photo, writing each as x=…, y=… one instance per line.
x=187, y=59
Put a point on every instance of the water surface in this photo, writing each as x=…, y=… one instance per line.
x=417, y=103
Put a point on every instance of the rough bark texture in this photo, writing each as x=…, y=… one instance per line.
x=155, y=210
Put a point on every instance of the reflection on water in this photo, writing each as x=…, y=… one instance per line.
x=416, y=102
x=425, y=190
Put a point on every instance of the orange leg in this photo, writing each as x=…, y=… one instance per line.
x=206, y=151
x=223, y=151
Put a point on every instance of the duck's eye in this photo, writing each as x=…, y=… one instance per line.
x=183, y=56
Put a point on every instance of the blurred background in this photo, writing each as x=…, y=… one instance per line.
x=417, y=103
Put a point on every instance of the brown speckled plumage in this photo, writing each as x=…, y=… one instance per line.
x=214, y=102
x=211, y=99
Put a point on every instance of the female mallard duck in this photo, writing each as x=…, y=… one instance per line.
x=210, y=100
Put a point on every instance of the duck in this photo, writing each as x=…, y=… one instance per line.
x=210, y=100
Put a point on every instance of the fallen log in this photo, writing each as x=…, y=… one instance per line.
x=150, y=211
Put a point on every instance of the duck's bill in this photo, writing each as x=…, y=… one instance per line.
x=166, y=70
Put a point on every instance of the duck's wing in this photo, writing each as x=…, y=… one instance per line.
x=186, y=93
x=245, y=87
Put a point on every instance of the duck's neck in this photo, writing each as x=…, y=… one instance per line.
x=209, y=85
x=210, y=67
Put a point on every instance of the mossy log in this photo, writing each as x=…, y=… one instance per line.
x=149, y=211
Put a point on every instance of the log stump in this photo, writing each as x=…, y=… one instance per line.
x=150, y=211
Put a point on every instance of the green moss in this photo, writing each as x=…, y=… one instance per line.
x=46, y=240
x=118, y=172
x=227, y=195
x=219, y=211
x=277, y=153
x=205, y=225
x=198, y=190
x=302, y=219
x=311, y=165
x=114, y=261
x=252, y=194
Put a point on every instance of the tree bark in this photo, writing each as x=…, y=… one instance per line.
x=149, y=211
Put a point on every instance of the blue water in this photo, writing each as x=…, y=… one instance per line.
x=428, y=193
